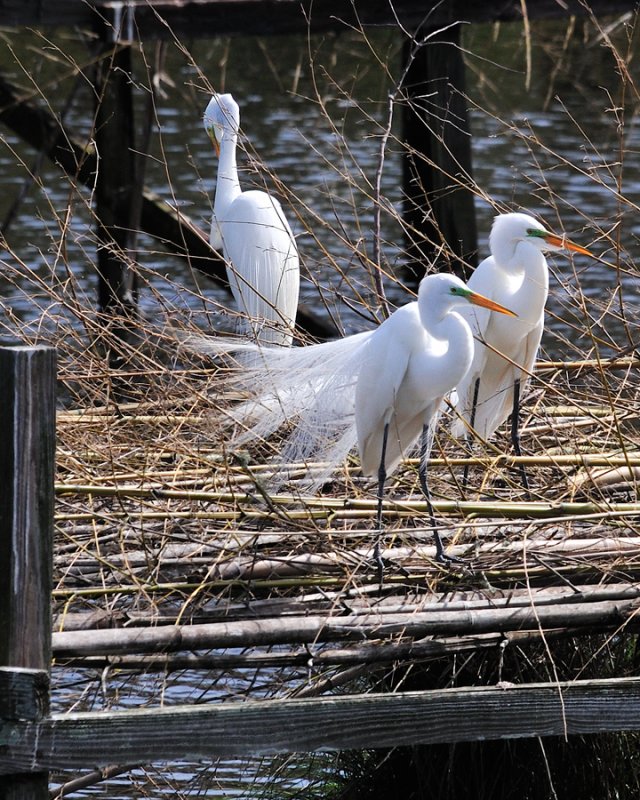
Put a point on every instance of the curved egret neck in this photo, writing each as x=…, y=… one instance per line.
x=415, y=358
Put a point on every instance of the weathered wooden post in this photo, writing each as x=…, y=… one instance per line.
x=118, y=202
x=439, y=201
x=116, y=184
x=27, y=463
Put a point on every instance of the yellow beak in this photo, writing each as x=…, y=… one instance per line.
x=214, y=141
x=566, y=244
x=481, y=300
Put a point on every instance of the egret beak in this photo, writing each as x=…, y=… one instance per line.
x=214, y=141
x=559, y=241
x=481, y=300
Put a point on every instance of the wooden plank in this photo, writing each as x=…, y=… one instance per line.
x=116, y=185
x=437, y=166
x=27, y=459
x=209, y=18
x=27, y=465
x=43, y=131
x=24, y=693
x=15, y=13
x=270, y=727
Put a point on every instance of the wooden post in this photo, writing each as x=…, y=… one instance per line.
x=116, y=182
x=439, y=201
x=27, y=463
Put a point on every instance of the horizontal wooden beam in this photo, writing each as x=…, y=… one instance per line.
x=269, y=727
x=43, y=132
x=24, y=693
x=208, y=18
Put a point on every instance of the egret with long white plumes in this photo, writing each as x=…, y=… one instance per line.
x=412, y=361
x=380, y=390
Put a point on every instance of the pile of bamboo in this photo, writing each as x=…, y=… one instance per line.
x=174, y=554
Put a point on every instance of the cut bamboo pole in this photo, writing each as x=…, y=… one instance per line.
x=316, y=629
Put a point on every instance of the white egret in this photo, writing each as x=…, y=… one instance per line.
x=256, y=241
x=415, y=358
x=380, y=389
x=515, y=275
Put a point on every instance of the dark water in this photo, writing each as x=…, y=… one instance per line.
x=561, y=142
x=312, y=114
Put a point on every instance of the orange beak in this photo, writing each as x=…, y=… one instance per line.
x=559, y=241
x=481, y=300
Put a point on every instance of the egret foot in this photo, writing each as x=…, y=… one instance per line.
x=385, y=563
x=441, y=556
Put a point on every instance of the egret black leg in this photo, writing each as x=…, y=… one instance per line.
x=515, y=432
x=422, y=473
x=472, y=422
x=382, y=477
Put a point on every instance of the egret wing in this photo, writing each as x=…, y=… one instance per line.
x=385, y=364
x=532, y=344
x=263, y=265
x=479, y=319
x=215, y=234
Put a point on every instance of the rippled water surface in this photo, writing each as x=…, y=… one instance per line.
x=552, y=147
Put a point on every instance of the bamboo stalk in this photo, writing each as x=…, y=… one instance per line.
x=484, y=508
x=589, y=363
x=563, y=556
x=495, y=462
x=358, y=605
x=251, y=567
x=91, y=417
x=315, y=629
x=367, y=653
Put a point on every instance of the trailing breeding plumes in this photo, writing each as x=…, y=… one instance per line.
x=382, y=389
x=251, y=230
x=309, y=389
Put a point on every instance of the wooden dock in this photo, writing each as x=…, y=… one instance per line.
x=159, y=19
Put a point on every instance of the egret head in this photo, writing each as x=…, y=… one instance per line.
x=440, y=293
x=509, y=230
x=221, y=119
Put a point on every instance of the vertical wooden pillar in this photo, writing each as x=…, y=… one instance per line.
x=118, y=205
x=116, y=186
x=27, y=464
x=437, y=169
